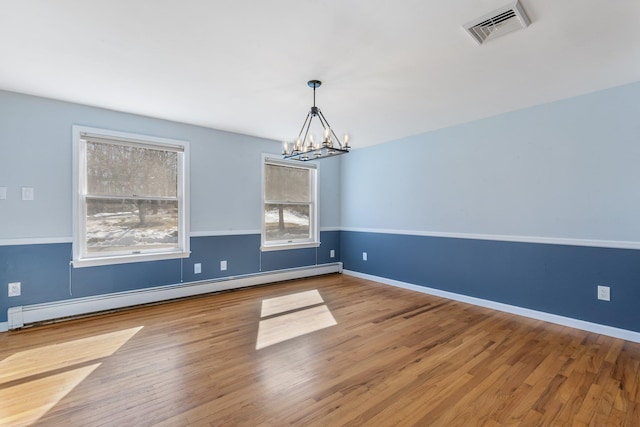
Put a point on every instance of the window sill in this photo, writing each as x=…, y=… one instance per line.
x=126, y=259
x=287, y=246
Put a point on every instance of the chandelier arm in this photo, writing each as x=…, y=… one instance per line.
x=326, y=125
x=305, y=124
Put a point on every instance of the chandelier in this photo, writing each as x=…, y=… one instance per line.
x=306, y=147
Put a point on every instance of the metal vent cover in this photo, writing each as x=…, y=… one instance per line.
x=504, y=20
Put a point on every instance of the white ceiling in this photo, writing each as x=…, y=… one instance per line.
x=389, y=68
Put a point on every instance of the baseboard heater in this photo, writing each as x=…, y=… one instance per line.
x=20, y=316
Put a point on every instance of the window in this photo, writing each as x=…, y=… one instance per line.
x=290, y=208
x=130, y=199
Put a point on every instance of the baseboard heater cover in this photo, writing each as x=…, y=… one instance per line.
x=20, y=316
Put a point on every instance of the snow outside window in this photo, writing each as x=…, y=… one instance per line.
x=130, y=198
x=289, y=214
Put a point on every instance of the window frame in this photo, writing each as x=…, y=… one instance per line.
x=314, y=227
x=81, y=257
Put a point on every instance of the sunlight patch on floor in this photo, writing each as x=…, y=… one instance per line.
x=57, y=356
x=27, y=391
x=291, y=318
x=278, y=305
x=26, y=403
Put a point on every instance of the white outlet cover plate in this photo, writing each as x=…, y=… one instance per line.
x=14, y=289
x=604, y=293
x=3, y=193
x=197, y=268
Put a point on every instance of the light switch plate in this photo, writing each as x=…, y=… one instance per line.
x=223, y=265
x=27, y=193
x=3, y=193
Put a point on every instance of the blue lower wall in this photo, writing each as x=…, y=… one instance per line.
x=557, y=279
x=43, y=269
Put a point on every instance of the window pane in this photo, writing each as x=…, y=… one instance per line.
x=120, y=170
x=286, y=184
x=115, y=225
x=287, y=222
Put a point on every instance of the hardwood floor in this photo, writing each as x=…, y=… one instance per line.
x=353, y=353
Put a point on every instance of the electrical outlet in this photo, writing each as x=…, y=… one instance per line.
x=197, y=268
x=364, y=256
x=332, y=253
x=223, y=265
x=604, y=293
x=14, y=289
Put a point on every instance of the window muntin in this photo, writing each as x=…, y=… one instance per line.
x=289, y=214
x=130, y=203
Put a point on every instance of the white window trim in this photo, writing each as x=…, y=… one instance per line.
x=314, y=242
x=79, y=208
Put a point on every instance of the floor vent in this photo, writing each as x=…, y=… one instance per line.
x=498, y=23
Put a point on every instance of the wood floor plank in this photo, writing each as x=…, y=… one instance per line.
x=393, y=357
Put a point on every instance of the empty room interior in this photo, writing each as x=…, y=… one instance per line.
x=320, y=213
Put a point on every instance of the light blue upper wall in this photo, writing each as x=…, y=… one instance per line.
x=329, y=176
x=568, y=169
x=225, y=168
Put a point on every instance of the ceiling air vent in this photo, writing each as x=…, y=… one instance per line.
x=511, y=17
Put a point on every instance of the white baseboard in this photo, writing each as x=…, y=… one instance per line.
x=4, y=326
x=526, y=312
x=23, y=315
